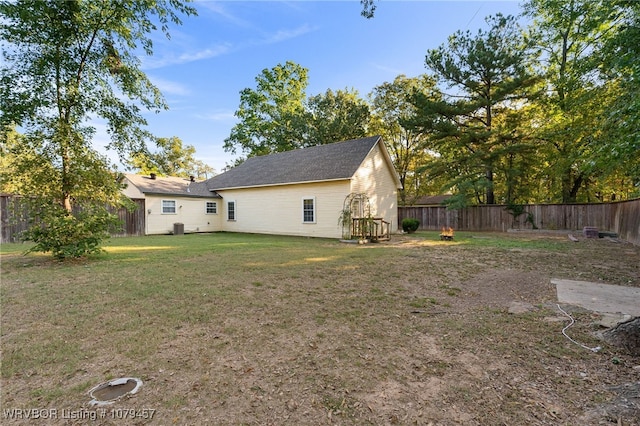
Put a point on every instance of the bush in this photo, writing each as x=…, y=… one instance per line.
x=410, y=225
x=70, y=236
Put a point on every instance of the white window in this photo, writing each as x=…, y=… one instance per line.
x=211, y=207
x=168, y=206
x=231, y=210
x=309, y=210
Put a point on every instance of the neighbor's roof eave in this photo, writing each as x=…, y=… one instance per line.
x=178, y=194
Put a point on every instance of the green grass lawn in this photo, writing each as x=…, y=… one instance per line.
x=239, y=328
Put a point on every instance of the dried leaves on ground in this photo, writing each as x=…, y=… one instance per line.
x=244, y=329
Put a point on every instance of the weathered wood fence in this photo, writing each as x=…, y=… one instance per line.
x=622, y=218
x=14, y=219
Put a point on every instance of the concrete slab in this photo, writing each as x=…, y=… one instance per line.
x=599, y=297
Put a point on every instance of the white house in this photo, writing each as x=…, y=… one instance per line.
x=171, y=200
x=299, y=192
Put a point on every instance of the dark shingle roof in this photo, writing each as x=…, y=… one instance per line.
x=333, y=161
x=170, y=186
x=430, y=200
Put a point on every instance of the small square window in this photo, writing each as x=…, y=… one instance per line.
x=168, y=207
x=212, y=207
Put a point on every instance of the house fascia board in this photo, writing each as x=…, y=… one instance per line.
x=266, y=185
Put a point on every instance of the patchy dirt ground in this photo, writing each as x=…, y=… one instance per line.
x=418, y=333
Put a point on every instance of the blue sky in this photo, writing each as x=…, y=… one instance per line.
x=213, y=56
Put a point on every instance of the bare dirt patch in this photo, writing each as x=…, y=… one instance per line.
x=410, y=331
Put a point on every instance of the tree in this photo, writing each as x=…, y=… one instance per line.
x=277, y=116
x=202, y=170
x=270, y=114
x=335, y=116
x=171, y=159
x=368, y=8
x=489, y=76
x=80, y=63
x=618, y=154
x=571, y=35
x=392, y=110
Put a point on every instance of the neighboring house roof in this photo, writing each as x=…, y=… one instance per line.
x=335, y=161
x=170, y=186
x=430, y=200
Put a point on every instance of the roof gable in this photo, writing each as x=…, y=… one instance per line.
x=335, y=161
x=169, y=186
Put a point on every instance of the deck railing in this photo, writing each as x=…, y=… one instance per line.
x=370, y=228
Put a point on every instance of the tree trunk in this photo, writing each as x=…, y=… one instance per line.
x=491, y=198
x=625, y=335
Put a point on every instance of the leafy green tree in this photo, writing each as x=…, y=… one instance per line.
x=277, y=116
x=335, y=116
x=572, y=35
x=489, y=77
x=618, y=153
x=66, y=62
x=202, y=170
x=171, y=159
x=271, y=114
x=392, y=109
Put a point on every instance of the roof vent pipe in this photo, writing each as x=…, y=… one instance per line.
x=153, y=176
x=192, y=178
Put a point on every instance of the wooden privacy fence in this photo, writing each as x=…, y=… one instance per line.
x=620, y=217
x=14, y=219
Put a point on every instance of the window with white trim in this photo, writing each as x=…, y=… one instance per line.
x=309, y=210
x=211, y=207
x=231, y=210
x=168, y=206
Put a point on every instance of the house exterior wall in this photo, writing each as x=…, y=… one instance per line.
x=190, y=211
x=132, y=191
x=375, y=178
x=279, y=209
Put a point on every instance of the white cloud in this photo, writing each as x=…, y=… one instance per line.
x=217, y=8
x=170, y=87
x=210, y=52
x=217, y=116
x=284, y=35
x=156, y=62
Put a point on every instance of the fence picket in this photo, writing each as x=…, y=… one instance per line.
x=622, y=218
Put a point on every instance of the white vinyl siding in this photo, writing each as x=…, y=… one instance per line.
x=309, y=210
x=211, y=207
x=278, y=209
x=190, y=211
x=168, y=206
x=231, y=210
x=375, y=178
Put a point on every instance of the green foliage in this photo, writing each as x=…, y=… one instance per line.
x=67, y=235
x=277, y=116
x=335, y=116
x=270, y=115
x=392, y=111
x=344, y=221
x=515, y=209
x=171, y=159
x=368, y=8
x=577, y=146
x=472, y=129
x=410, y=225
x=81, y=63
